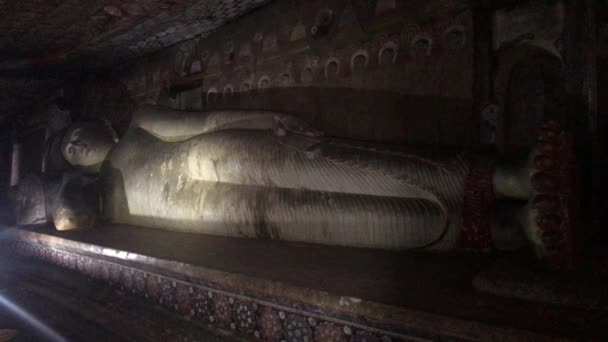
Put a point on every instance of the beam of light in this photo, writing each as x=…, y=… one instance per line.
x=35, y=323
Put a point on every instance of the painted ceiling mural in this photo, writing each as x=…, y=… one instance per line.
x=94, y=33
x=371, y=44
x=326, y=43
x=339, y=64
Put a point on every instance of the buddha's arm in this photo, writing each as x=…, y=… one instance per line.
x=173, y=125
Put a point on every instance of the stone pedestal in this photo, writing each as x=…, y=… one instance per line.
x=276, y=291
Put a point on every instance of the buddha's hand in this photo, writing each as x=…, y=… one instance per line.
x=65, y=218
x=76, y=204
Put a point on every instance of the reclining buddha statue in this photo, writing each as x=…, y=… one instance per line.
x=269, y=175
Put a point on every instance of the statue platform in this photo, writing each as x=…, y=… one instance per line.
x=72, y=307
x=298, y=292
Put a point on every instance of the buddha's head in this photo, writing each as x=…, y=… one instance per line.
x=87, y=144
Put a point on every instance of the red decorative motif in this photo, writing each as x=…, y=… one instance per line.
x=244, y=314
x=153, y=290
x=140, y=283
x=167, y=295
x=114, y=275
x=127, y=283
x=222, y=311
x=201, y=305
x=328, y=332
x=104, y=272
x=478, y=209
x=555, y=185
x=183, y=296
x=270, y=325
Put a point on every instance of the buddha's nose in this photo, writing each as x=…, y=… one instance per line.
x=82, y=147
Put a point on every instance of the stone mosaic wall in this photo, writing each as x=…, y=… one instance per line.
x=385, y=70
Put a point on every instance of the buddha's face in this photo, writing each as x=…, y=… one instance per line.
x=87, y=144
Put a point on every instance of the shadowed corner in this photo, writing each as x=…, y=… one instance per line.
x=7, y=334
x=17, y=313
x=30, y=320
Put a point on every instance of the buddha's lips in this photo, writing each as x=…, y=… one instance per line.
x=85, y=151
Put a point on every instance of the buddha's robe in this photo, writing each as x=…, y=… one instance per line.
x=288, y=186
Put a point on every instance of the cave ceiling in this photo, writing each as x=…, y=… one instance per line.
x=44, y=41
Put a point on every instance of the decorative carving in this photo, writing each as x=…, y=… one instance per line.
x=270, y=43
x=245, y=86
x=330, y=332
x=228, y=91
x=140, y=282
x=388, y=53
x=298, y=32
x=153, y=289
x=308, y=75
x=408, y=32
x=212, y=95
x=322, y=24
x=359, y=61
x=167, y=297
x=126, y=281
x=554, y=206
x=286, y=79
x=297, y=328
x=245, y=317
x=184, y=299
x=264, y=82
x=222, y=310
x=490, y=117
x=365, y=336
x=422, y=45
x=270, y=325
x=332, y=68
x=202, y=304
x=455, y=37
x=478, y=211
